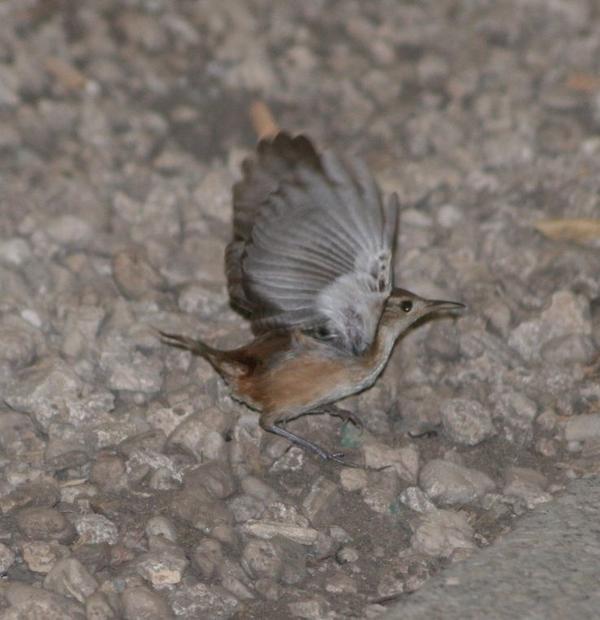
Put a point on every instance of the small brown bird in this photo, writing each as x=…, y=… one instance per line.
x=311, y=265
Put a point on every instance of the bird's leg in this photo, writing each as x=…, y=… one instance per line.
x=338, y=457
x=343, y=414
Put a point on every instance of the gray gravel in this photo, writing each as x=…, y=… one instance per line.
x=131, y=484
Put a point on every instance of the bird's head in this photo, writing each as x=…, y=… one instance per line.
x=403, y=308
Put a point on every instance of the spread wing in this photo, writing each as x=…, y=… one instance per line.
x=311, y=247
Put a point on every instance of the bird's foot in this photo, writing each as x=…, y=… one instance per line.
x=343, y=414
x=338, y=457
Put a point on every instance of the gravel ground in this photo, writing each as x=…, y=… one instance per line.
x=131, y=485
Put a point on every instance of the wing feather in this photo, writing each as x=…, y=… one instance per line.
x=312, y=246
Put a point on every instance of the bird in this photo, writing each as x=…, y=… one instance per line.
x=310, y=265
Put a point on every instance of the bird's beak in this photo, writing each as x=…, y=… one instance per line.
x=440, y=304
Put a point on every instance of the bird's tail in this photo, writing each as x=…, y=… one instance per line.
x=190, y=344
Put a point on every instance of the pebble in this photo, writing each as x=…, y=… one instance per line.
x=567, y=314
x=45, y=524
x=569, y=349
x=31, y=602
x=416, y=500
x=161, y=526
x=528, y=485
x=97, y=607
x=450, y=483
x=269, y=529
x=127, y=368
x=40, y=557
x=95, y=528
x=200, y=600
x=51, y=392
x=141, y=603
x=7, y=558
x=18, y=343
x=347, y=555
x=202, y=435
x=134, y=276
x=18, y=437
x=581, y=427
x=70, y=578
x=441, y=532
x=207, y=555
x=321, y=502
x=353, y=479
x=311, y=609
x=466, y=422
x=164, y=564
x=404, y=461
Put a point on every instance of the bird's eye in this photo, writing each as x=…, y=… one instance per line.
x=322, y=333
x=406, y=305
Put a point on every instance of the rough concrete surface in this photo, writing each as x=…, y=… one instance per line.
x=131, y=484
x=547, y=569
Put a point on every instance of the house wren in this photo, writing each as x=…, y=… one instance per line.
x=310, y=264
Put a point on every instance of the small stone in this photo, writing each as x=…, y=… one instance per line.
x=517, y=410
x=14, y=251
x=134, y=276
x=163, y=565
x=70, y=231
x=202, y=435
x=18, y=438
x=313, y=609
x=18, y=343
x=7, y=558
x=235, y=580
x=45, y=524
x=52, y=392
x=382, y=491
x=142, y=604
x=40, y=557
x=347, y=555
x=405, y=461
x=320, y=504
x=546, y=447
x=31, y=602
x=581, y=427
x=547, y=420
x=97, y=607
x=194, y=505
x=416, y=500
x=569, y=349
x=453, y=484
x=108, y=472
x=262, y=558
x=245, y=507
x=128, y=368
x=93, y=528
x=567, y=314
x=353, y=479
x=340, y=583
x=207, y=556
x=257, y=488
x=441, y=532
x=69, y=577
x=67, y=447
x=527, y=484
x=466, y=421
x=161, y=526
x=199, y=600
x=269, y=529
